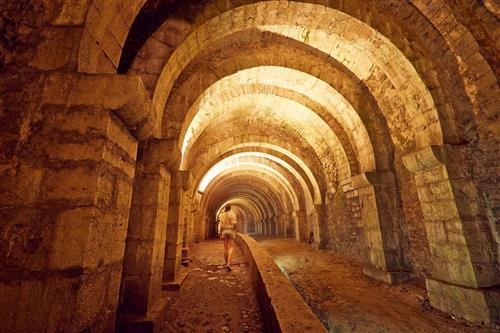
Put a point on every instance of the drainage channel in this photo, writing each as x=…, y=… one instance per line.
x=322, y=315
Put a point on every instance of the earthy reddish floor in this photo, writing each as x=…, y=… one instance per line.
x=348, y=301
x=212, y=300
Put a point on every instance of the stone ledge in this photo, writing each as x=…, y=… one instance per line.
x=177, y=283
x=125, y=95
x=387, y=277
x=283, y=309
x=150, y=323
x=475, y=305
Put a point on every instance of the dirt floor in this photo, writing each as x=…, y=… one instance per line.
x=212, y=300
x=348, y=301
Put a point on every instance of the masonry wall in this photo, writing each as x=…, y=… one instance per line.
x=414, y=241
x=345, y=227
x=66, y=169
x=66, y=204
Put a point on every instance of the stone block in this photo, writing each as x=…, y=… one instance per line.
x=123, y=194
x=152, y=322
x=125, y=95
x=135, y=295
x=70, y=238
x=171, y=268
x=385, y=276
x=78, y=184
x=92, y=311
x=47, y=57
x=21, y=184
x=91, y=57
x=475, y=305
x=139, y=257
x=75, y=151
x=166, y=152
x=72, y=13
x=44, y=304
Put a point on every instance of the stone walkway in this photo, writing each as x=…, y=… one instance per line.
x=212, y=300
x=347, y=301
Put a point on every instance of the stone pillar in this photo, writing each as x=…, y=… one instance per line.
x=197, y=226
x=274, y=226
x=300, y=220
x=66, y=188
x=285, y=217
x=211, y=227
x=264, y=227
x=146, y=236
x=192, y=227
x=321, y=237
x=463, y=253
x=381, y=220
x=175, y=224
x=279, y=224
x=186, y=233
x=269, y=226
x=203, y=228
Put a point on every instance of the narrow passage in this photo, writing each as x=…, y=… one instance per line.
x=345, y=300
x=211, y=299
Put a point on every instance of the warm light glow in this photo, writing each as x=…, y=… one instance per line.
x=360, y=48
x=226, y=164
x=279, y=110
x=209, y=105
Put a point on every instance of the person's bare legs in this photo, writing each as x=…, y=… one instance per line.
x=226, y=250
x=230, y=244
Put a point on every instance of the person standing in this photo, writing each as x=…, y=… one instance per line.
x=227, y=225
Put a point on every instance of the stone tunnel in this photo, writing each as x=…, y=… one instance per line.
x=355, y=141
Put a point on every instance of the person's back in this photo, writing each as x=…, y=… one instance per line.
x=227, y=226
x=227, y=220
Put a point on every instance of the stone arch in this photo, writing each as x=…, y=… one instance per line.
x=351, y=131
x=275, y=154
x=423, y=112
x=245, y=140
x=318, y=135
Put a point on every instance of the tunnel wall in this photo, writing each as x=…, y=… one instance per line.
x=284, y=311
x=345, y=228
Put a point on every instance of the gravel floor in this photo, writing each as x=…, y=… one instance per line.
x=211, y=299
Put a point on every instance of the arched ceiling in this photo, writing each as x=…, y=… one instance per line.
x=276, y=103
x=370, y=56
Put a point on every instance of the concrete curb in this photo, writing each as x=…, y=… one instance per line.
x=283, y=309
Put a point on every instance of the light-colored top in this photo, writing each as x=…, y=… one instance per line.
x=227, y=220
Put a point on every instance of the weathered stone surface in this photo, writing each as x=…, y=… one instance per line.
x=146, y=237
x=370, y=128
x=476, y=305
x=280, y=303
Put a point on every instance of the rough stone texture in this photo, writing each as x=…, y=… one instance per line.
x=146, y=237
x=319, y=95
x=345, y=299
x=64, y=248
x=462, y=251
x=173, y=246
x=345, y=226
x=282, y=307
x=226, y=301
x=475, y=305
